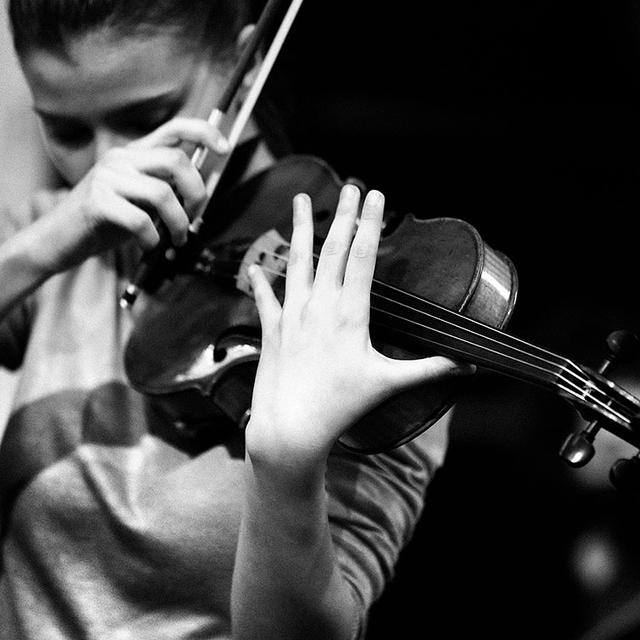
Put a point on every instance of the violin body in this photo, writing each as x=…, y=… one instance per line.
x=196, y=341
x=445, y=261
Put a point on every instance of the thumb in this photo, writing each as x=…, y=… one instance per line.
x=406, y=373
x=269, y=308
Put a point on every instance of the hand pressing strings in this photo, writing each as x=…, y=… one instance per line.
x=318, y=371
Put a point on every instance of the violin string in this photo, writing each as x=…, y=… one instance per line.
x=573, y=388
x=424, y=313
x=471, y=320
x=569, y=386
x=576, y=391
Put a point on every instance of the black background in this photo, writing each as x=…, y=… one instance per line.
x=521, y=118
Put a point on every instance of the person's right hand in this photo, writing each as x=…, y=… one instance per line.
x=118, y=196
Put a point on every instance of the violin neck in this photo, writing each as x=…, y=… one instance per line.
x=417, y=323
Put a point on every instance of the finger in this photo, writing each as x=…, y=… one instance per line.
x=364, y=250
x=178, y=130
x=300, y=265
x=333, y=256
x=156, y=197
x=130, y=218
x=171, y=164
x=401, y=374
x=269, y=309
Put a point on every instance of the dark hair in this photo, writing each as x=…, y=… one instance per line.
x=49, y=24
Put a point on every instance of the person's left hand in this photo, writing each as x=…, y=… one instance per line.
x=318, y=371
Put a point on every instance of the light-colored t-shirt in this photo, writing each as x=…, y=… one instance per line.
x=111, y=532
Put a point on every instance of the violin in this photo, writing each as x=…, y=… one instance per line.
x=437, y=288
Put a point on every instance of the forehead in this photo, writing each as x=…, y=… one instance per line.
x=101, y=73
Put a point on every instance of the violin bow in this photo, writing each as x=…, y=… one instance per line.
x=164, y=250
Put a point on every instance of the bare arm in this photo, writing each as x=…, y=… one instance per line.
x=287, y=582
x=317, y=374
x=23, y=265
x=109, y=205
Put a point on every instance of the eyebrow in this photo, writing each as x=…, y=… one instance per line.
x=133, y=108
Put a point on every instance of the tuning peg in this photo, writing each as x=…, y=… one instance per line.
x=622, y=344
x=578, y=449
x=625, y=475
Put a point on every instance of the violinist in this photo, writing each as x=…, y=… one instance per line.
x=109, y=531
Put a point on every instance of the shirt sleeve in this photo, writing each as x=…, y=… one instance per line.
x=375, y=502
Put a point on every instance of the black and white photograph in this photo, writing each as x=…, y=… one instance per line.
x=318, y=320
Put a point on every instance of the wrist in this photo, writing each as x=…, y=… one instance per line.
x=288, y=498
x=56, y=242
x=279, y=458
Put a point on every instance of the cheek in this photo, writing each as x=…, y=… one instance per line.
x=72, y=165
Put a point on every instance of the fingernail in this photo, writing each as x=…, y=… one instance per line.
x=466, y=368
x=376, y=196
x=222, y=145
x=301, y=199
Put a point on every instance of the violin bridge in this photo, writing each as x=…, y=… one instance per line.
x=271, y=252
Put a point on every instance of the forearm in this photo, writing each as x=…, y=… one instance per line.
x=287, y=583
x=317, y=375
x=25, y=263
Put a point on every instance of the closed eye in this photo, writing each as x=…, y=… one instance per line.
x=68, y=133
x=140, y=123
x=131, y=120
